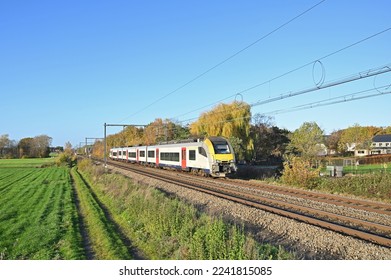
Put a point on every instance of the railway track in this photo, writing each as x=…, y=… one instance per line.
x=288, y=203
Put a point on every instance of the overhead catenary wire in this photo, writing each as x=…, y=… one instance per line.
x=361, y=75
x=335, y=100
x=354, y=77
x=225, y=60
x=290, y=72
x=319, y=103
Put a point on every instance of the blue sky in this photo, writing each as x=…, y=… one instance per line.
x=67, y=67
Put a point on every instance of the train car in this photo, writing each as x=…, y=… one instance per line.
x=132, y=154
x=212, y=156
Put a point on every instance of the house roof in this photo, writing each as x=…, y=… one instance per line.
x=382, y=138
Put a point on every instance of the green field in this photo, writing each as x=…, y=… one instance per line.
x=28, y=162
x=368, y=168
x=38, y=219
x=57, y=212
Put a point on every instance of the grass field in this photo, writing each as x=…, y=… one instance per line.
x=368, y=168
x=56, y=212
x=28, y=162
x=38, y=219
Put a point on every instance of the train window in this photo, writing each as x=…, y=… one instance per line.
x=192, y=155
x=221, y=148
x=151, y=154
x=120, y=153
x=202, y=151
x=114, y=154
x=169, y=156
x=132, y=154
x=142, y=153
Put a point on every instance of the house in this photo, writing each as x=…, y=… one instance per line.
x=381, y=144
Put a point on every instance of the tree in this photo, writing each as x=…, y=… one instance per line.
x=41, y=146
x=68, y=146
x=228, y=120
x=25, y=147
x=306, y=140
x=359, y=136
x=269, y=140
x=332, y=141
x=4, y=143
x=35, y=147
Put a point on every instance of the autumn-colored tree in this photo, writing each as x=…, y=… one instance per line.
x=41, y=145
x=228, y=120
x=98, y=149
x=332, y=141
x=24, y=147
x=360, y=136
x=35, y=147
x=385, y=130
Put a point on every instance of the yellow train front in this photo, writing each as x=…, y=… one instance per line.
x=221, y=156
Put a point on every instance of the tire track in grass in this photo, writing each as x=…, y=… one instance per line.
x=40, y=219
x=101, y=232
x=86, y=241
x=22, y=176
x=30, y=224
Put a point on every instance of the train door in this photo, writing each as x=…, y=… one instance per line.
x=183, y=158
x=157, y=157
x=137, y=153
x=127, y=155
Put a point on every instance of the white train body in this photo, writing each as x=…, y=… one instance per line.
x=213, y=156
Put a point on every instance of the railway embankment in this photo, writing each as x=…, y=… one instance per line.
x=306, y=241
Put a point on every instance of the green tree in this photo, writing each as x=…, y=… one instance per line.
x=306, y=140
x=269, y=140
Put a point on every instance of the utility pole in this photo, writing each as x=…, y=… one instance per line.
x=92, y=138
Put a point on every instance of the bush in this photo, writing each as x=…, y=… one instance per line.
x=298, y=172
x=66, y=159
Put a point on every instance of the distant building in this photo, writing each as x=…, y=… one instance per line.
x=381, y=144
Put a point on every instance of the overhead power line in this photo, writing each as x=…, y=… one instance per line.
x=361, y=75
x=225, y=60
x=335, y=100
x=289, y=72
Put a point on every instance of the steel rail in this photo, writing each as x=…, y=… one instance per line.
x=380, y=208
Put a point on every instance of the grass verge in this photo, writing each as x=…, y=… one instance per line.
x=105, y=241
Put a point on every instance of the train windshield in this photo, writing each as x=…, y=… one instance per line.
x=220, y=146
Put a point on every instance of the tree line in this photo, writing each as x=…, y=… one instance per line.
x=29, y=147
x=254, y=138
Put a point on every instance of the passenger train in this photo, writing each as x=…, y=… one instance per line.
x=212, y=156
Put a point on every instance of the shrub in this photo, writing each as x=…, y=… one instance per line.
x=65, y=159
x=298, y=172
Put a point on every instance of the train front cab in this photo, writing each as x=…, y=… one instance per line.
x=223, y=157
